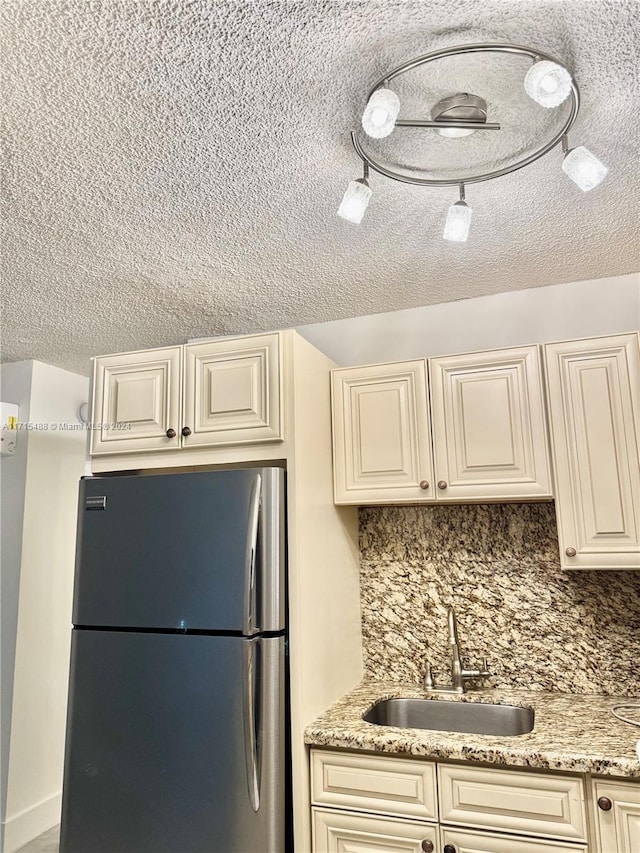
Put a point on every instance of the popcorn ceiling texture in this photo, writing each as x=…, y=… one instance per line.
x=541, y=628
x=172, y=169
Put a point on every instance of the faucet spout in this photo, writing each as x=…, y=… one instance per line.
x=457, y=682
x=452, y=625
x=459, y=674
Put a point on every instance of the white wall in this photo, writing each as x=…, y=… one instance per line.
x=15, y=387
x=55, y=462
x=560, y=312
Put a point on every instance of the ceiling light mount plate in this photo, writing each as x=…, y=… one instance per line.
x=460, y=107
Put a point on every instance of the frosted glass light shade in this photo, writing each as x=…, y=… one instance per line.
x=454, y=132
x=379, y=117
x=458, y=222
x=355, y=201
x=584, y=168
x=547, y=83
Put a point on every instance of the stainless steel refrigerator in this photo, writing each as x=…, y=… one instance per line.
x=176, y=727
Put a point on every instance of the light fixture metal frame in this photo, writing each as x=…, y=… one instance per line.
x=483, y=47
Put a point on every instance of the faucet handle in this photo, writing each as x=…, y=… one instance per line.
x=429, y=682
x=484, y=668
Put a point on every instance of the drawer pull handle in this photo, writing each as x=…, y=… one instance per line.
x=171, y=433
x=442, y=484
x=186, y=431
x=449, y=848
x=605, y=804
x=427, y=846
x=424, y=484
x=570, y=552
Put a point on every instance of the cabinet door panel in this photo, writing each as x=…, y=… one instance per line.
x=232, y=391
x=489, y=426
x=381, y=434
x=465, y=841
x=529, y=803
x=594, y=391
x=619, y=827
x=342, y=832
x=136, y=399
x=395, y=786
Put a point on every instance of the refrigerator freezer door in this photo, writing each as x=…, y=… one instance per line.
x=200, y=550
x=157, y=758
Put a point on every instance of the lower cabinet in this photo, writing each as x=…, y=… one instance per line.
x=342, y=832
x=466, y=841
x=617, y=810
x=365, y=803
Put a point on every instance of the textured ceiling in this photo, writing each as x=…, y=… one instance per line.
x=172, y=168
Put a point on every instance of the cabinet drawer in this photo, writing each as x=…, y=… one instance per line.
x=465, y=841
x=531, y=803
x=392, y=786
x=340, y=832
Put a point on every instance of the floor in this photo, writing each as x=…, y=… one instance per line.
x=45, y=843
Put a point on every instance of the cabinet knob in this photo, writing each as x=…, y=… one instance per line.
x=186, y=431
x=570, y=552
x=449, y=848
x=171, y=433
x=605, y=804
x=424, y=484
x=427, y=846
x=442, y=484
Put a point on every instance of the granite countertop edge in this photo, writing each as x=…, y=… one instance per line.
x=572, y=732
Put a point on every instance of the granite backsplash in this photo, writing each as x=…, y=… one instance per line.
x=541, y=628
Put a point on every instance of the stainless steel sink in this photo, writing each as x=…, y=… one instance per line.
x=472, y=717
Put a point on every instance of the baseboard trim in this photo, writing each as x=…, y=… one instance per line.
x=32, y=822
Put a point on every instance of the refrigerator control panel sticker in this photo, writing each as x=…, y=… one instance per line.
x=96, y=502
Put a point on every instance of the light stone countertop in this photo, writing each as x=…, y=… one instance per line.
x=572, y=732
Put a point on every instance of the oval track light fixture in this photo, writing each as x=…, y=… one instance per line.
x=547, y=81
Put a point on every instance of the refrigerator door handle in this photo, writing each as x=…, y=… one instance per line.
x=250, y=560
x=251, y=722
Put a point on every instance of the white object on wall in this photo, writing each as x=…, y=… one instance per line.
x=8, y=428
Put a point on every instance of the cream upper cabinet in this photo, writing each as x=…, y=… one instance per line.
x=617, y=810
x=381, y=434
x=594, y=402
x=137, y=401
x=489, y=428
x=210, y=394
x=232, y=391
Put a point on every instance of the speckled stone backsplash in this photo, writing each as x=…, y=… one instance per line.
x=541, y=628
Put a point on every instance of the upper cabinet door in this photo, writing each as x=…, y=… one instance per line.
x=136, y=401
x=490, y=435
x=382, y=434
x=594, y=400
x=232, y=392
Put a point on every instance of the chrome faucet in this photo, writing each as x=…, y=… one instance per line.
x=459, y=675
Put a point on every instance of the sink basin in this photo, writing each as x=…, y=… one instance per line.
x=472, y=717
